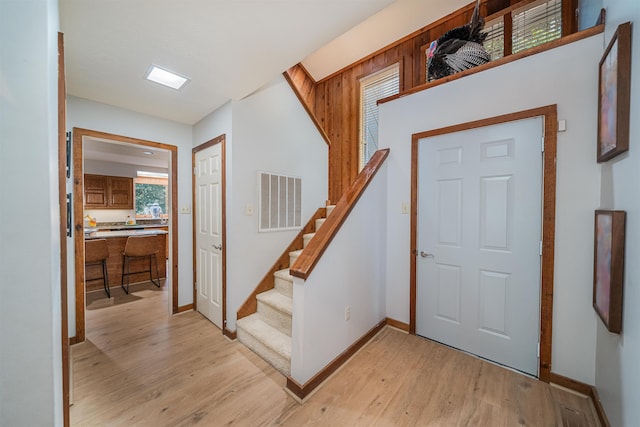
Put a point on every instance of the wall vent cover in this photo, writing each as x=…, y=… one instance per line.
x=280, y=202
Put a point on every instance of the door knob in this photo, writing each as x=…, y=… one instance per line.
x=218, y=247
x=423, y=254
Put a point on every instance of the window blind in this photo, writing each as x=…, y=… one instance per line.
x=373, y=88
x=536, y=23
x=494, y=43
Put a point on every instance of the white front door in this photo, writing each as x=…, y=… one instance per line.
x=209, y=233
x=479, y=232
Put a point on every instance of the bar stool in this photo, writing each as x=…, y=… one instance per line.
x=97, y=252
x=138, y=247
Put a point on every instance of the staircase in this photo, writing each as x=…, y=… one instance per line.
x=268, y=331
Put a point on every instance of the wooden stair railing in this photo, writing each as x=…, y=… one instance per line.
x=316, y=247
x=250, y=305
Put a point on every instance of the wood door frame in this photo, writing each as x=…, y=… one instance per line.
x=221, y=139
x=62, y=198
x=550, y=115
x=78, y=216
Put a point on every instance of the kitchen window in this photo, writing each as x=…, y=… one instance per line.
x=151, y=197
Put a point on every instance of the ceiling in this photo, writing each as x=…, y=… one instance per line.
x=123, y=153
x=228, y=48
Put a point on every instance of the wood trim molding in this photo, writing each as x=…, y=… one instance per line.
x=232, y=335
x=548, y=219
x=504, y=60
x=288, y=75
x=78, y=215
x=582, y=388
x=221, y=139
x=73, y=340
x=62, y=198
x=397, y=324
x=316, y=247
x=302, y=391
x=183, y=308
x=250, y=305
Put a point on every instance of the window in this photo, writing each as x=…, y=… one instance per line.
x=533, y=24
x=151, y=197
x=494, y=43
x=536, y=23
x=374, y=87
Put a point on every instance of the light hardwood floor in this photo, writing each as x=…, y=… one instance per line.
x=140, y=366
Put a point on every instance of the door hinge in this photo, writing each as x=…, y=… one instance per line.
x=68, y=154
x=542, y=148
x=540, y=250
x=194, y=170
x=538, y=349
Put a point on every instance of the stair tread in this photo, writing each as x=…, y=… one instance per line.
x=284, y=275
x=294, y=253
x=266, y=334
x=277, y=300
x=308, y=235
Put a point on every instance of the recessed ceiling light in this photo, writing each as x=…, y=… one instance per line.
x=148, y=153
x=166, y=78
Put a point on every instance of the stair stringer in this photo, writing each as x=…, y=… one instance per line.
x=250, y=305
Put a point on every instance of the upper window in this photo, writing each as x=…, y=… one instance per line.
x=533, y=24
x=536, y=23
x=374, y=87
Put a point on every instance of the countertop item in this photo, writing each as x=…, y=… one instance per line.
x=129, y=227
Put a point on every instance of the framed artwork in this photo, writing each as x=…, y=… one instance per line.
x=614, y=95
x=608, y=267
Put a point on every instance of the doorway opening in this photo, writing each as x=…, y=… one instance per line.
x=113, y=146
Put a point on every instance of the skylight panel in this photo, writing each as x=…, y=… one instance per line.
x=166, y=78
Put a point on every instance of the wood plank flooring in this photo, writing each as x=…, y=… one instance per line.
x=140, y=366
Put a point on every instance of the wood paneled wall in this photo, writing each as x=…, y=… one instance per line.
x=333, y=102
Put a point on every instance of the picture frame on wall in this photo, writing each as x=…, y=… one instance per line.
x=608, y=267
x=614, y=95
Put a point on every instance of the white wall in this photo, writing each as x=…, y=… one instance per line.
x=617, y=356
x=270, y=132
x=30, y=316
x=351, y=272
x=95, y=116
x=566, y=76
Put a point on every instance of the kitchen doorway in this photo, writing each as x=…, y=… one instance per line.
x=80, y=136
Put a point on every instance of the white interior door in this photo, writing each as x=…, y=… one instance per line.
x=209, y=233
x=479, y=233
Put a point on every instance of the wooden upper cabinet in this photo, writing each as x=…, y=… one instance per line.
x=108, y=192
x=120, y=192
x=95, y=191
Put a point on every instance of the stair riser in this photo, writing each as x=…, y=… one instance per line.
x=319, y=223
x=275, y=318
x=285, y=287
x=330, y=209
x=277, y=361
x=292, y=259
x=306, y=240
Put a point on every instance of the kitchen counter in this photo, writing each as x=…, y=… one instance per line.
x=116, y=241
x=98, y=234
x=129, y=227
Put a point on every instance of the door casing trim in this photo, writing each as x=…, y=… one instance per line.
x=221, y=139
x=78, y=217
x=550, y=116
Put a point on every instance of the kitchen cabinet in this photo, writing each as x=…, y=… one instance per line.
x=108, y=192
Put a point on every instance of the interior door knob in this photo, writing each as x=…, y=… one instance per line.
x=423, y=254
x=218, y=247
